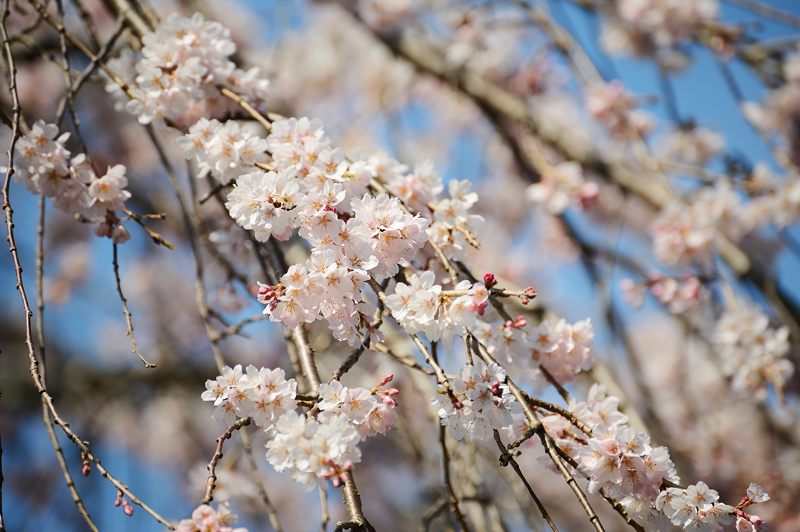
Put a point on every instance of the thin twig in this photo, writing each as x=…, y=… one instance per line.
x=91, y=67
x=237, y=328
x=62, y=462
x=767, y=11
x=211, y=482
x=325, y=516
x=454, y=504
x=521, y=475
x=272, y=513
x=126, y=311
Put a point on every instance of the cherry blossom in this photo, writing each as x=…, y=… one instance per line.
x=206, y=519
x=224, y=150
x=752, y=352
x=176, y=74
x=311, y=449
x=563, y=187
x=615, y=457
x=610, y=104
x=563, y=349
x=47, y=167
x=478, y=402
x=370, y=411
x=262, y=393
x=678, y=295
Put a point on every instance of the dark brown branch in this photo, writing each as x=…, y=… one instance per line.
x=211, y=482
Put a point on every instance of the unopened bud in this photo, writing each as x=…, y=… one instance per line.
x=489, y=280
x=527, y=294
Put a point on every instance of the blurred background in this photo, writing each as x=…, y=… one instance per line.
x=360, y=68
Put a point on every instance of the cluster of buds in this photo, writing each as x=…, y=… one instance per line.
x=127, y=509
x=268, y=295
x=387, y=395
x=517, y=323
x=111, y=227
x=527, y=294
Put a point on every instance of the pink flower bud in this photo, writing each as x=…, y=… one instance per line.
x=489, y=280
x=527, y=294
x=588, y=194
x=127, y=509
x=86, y=470
x=457, y=404
x=387, y=379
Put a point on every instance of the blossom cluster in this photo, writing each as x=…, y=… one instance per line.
x=690, y=144
x=563, y=349
x=611, y=104
x=325, y=446
x=615, y=457
x=353, y=240
x=45, y=166
x=778, y=114
x=697, y=507
x=422, y=307
x=223, y=150
x=371, y=412
x=678, y=295
x=623, y=464
x=638, y=27
x=307, y=184
x=264, y=394
x=752, y=352
x=311, y=449
x=206, y=519
x=373, y=243
x=476, y=403
x=774, y=200
x=179, y=70
x=564, y=185
x=453, y=227
x=686, y=232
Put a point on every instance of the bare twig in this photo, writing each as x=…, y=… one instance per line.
x=211, y=482
x=454, y=504
x=325, y=516
x=126, y=311
x=521, y=475
x=272, y=513
x=767, y=11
